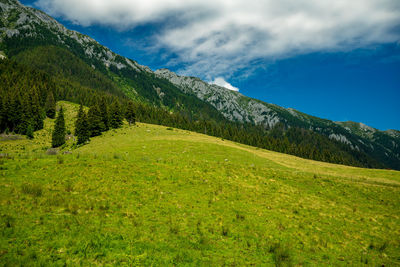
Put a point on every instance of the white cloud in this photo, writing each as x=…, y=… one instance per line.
x=219, y=37
x=221, y=82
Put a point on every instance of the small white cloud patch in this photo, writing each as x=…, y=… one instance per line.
x=221, y=82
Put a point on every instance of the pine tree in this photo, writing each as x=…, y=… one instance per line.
x=58, y=138
x=116, y=116
x=82, y=126
x=95, y=122
x=130, y=113
x=50, y=106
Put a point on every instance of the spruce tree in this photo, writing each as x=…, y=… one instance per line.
x=82, y=127
x=58, y=138
x=116, y=116
x=104, y=113
x=50, y=106
x=85, y=134
x=130, y=113
x=95, y=122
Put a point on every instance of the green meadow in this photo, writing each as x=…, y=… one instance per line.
x=148, y=195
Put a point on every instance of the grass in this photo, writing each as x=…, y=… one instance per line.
x=146, y=195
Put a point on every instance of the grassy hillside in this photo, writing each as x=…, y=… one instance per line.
x=151, y=195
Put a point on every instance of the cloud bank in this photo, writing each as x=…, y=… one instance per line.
x=220, y=37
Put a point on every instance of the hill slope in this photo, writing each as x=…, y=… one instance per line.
x=150, y=195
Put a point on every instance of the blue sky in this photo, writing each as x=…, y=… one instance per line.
x=337, y=60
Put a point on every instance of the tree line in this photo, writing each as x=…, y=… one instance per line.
x=100, y=118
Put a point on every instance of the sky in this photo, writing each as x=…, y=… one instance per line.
x=338, y=60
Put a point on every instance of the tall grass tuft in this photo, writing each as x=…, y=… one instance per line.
x=281, y=254
x=32, y=189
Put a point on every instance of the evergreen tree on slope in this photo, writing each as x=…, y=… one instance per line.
x=130, y=113
x=58, y=138
x=95, y=122
x=82, y=126
x=116, y=115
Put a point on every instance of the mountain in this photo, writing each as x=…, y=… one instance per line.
x=78, y=62
x=25, y=32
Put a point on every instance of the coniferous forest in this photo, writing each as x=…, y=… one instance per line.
x=28, y=96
